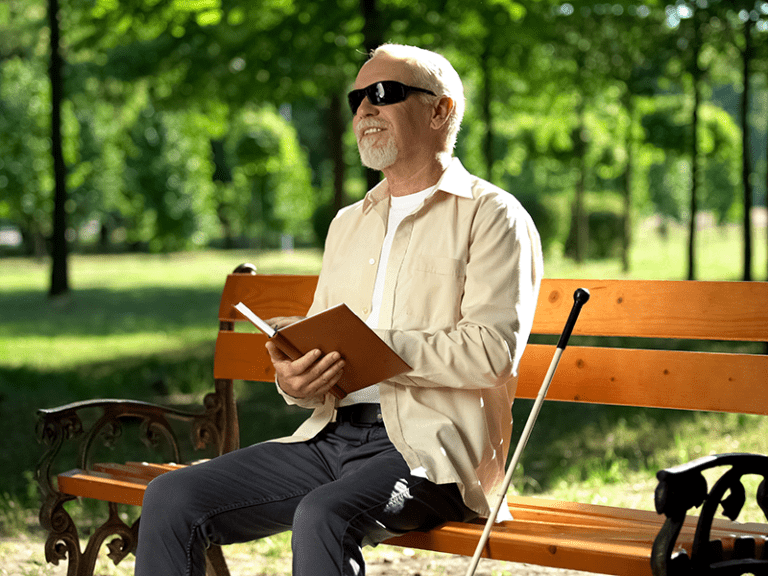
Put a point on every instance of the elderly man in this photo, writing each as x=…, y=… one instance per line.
x=446, y=268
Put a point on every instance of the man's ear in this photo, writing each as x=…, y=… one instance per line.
x=441, y=112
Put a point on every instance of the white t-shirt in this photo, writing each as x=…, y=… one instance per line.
x=399, y=208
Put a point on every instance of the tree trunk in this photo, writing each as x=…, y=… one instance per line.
x=223, y=175
x=581, y=220
x=373, y=34
x=580, y=139
x=373, y=37
x=336, y=126
x=746, y=169
x=626, y=236
x=59, y=272
x=694, y=149
x=486, y=70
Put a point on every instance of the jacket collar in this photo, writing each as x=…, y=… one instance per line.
x=455, y=180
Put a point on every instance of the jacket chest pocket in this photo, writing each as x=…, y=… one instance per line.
x=430, y=293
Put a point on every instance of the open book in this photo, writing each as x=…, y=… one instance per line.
x=368, y=359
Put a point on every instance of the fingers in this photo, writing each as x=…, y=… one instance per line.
x=310, y=375
x=329, y=371
x=275, y=354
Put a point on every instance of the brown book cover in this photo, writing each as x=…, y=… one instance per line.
x=368, y=358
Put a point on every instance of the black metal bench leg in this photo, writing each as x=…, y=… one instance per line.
x=63, y=541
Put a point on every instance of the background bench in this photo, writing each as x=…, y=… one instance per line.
x=551, y=533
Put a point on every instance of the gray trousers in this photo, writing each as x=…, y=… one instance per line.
x=345, y=488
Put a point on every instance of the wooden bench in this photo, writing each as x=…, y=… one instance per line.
x=545, y=532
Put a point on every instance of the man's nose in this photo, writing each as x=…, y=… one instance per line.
x=366, y=108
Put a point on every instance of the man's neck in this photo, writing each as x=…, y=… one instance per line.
x=410, y=181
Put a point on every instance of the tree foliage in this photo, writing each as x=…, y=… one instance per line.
x=212, y=122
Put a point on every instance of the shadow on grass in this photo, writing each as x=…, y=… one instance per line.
x=105, y=312
x=577, y=442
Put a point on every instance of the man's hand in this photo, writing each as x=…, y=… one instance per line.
x=311, y=375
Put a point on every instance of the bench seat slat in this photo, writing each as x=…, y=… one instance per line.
x=134, y=470
x=620, y=547
x=535, y=549
x=102, y=486
x=121, y=483
x=529, y=508
x=624, y=550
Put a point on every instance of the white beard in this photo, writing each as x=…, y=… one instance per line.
x=377, y=157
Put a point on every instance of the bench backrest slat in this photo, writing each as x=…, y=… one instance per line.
x=658, y=309
x=631, y=377
x=268, y=295
x=652, y=378
x=242, y=356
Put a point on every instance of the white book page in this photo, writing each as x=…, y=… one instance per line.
x=260, y=324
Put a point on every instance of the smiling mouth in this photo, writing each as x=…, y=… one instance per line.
x=371, y=131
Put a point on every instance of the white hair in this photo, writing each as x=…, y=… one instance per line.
x=434, y=72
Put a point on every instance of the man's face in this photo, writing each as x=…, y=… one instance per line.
x=386, y=135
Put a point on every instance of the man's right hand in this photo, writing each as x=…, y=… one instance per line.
x=311, y=375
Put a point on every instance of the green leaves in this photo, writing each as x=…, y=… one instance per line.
x=559, y=94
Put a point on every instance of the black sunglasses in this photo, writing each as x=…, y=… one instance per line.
x=383, y=93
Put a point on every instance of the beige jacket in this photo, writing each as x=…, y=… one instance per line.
x=461, y=288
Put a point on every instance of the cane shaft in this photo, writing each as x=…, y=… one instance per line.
x=515, y=459
x=580, y=297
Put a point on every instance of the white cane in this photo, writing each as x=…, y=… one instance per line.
x=580, y=298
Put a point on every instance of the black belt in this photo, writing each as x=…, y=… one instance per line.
x=365, y=414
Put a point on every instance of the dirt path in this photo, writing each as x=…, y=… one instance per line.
x=24, y=557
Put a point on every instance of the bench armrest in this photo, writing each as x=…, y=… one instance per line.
x=684, y=487
x=70, y=424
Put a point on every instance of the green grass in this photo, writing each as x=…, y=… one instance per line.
x=652, y=257
x=120, y=306
x=143, y=326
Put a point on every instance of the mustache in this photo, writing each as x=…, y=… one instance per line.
x=368, y=123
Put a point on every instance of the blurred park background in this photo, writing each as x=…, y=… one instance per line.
x=147, y=147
